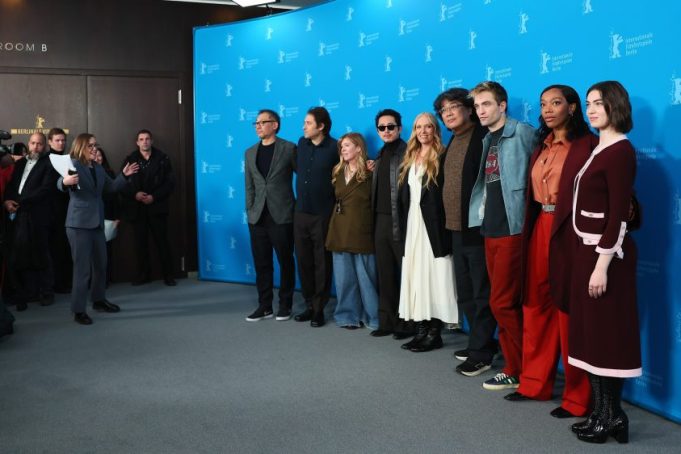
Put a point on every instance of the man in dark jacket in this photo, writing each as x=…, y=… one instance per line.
x=60, y=250
x=270, y=202
x=146, y=206
x=28, y=201
x=387, y=237
x=464, y=151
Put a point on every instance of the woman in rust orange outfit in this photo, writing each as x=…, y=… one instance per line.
x=548, y=240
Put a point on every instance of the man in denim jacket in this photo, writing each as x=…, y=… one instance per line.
x=498, y=207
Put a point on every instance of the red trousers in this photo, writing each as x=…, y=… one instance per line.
x=503, y=266
x=545, y=331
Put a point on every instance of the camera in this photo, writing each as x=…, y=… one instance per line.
x=16, y=149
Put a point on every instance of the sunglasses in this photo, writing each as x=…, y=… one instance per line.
x=389, y=127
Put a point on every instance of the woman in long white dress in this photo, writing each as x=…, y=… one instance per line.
x=427, y=292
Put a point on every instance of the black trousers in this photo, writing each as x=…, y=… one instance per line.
x=472, y=287
x=314, y=261
x=265, y=236
x=157, y=226
x=27, y=278
x=388, y=263
x=60, y=252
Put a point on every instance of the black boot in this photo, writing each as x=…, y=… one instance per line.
x=619, y=422
x=421, y=333
x=433, y=340
x=611, y=419
x=597, y=402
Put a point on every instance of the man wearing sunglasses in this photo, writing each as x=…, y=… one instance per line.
x=269, y=202
x=389, y=246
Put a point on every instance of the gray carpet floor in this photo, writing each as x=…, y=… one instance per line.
x=179, y=370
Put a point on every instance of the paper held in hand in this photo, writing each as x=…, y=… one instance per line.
x=62, y=164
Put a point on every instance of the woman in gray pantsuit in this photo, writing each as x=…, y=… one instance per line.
x=85, y=225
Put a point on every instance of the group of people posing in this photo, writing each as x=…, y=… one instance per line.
x=522, y=230
x=53, y=231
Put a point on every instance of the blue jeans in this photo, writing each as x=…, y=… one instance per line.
x=356, y=279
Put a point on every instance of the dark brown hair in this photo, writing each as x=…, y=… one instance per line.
x=616, y=102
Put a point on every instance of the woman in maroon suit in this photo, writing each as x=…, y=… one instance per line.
x=565, y=144
x=604, y=331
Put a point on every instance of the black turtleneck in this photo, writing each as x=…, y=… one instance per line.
x=383, y=204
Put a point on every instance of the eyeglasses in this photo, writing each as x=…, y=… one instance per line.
x=262, y=123
x=92, y=145
x=450, y=108
x=390, y=127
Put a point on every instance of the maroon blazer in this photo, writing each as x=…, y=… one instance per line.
x=564, y=240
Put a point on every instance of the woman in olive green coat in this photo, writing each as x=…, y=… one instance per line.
x=350, y=237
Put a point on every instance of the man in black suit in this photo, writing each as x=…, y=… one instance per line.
x=270, y=201
x=147, y=207
x=28, y=202
x=387, y=237
x=60, y=250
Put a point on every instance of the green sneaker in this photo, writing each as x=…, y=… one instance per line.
x=501, y=381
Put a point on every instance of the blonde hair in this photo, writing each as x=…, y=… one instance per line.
x=358, y=141
x=432, y=161
x=79, y=148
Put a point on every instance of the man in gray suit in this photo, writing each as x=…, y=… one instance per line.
x=270, y=201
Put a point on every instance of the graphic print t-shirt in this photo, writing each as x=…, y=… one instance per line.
x=495, y=222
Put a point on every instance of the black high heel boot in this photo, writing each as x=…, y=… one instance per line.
x=619, y=422
x=433, y=340
x=611, y=419
x=421, y=333
x=597, y=401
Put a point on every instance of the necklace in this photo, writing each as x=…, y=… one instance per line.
x=349, y=173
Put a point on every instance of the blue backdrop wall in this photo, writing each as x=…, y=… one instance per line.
x=356, y=57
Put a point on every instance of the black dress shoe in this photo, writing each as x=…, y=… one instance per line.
x=82, y=318
x=516, y=397
x=304, y=316
x=105, y=306
x=380, y=333
x=400, y=336
x=170, y=282
x=561, y=413
x=350, y=327
x=317, y=320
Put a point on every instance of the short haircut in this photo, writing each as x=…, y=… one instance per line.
x=495, y=88
x=616, y=102
x=55, y=132
x=273, y=115
x=143, y=131
x=321, y=116
x=42, y=136
x=460, y=95
x=393, y=113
